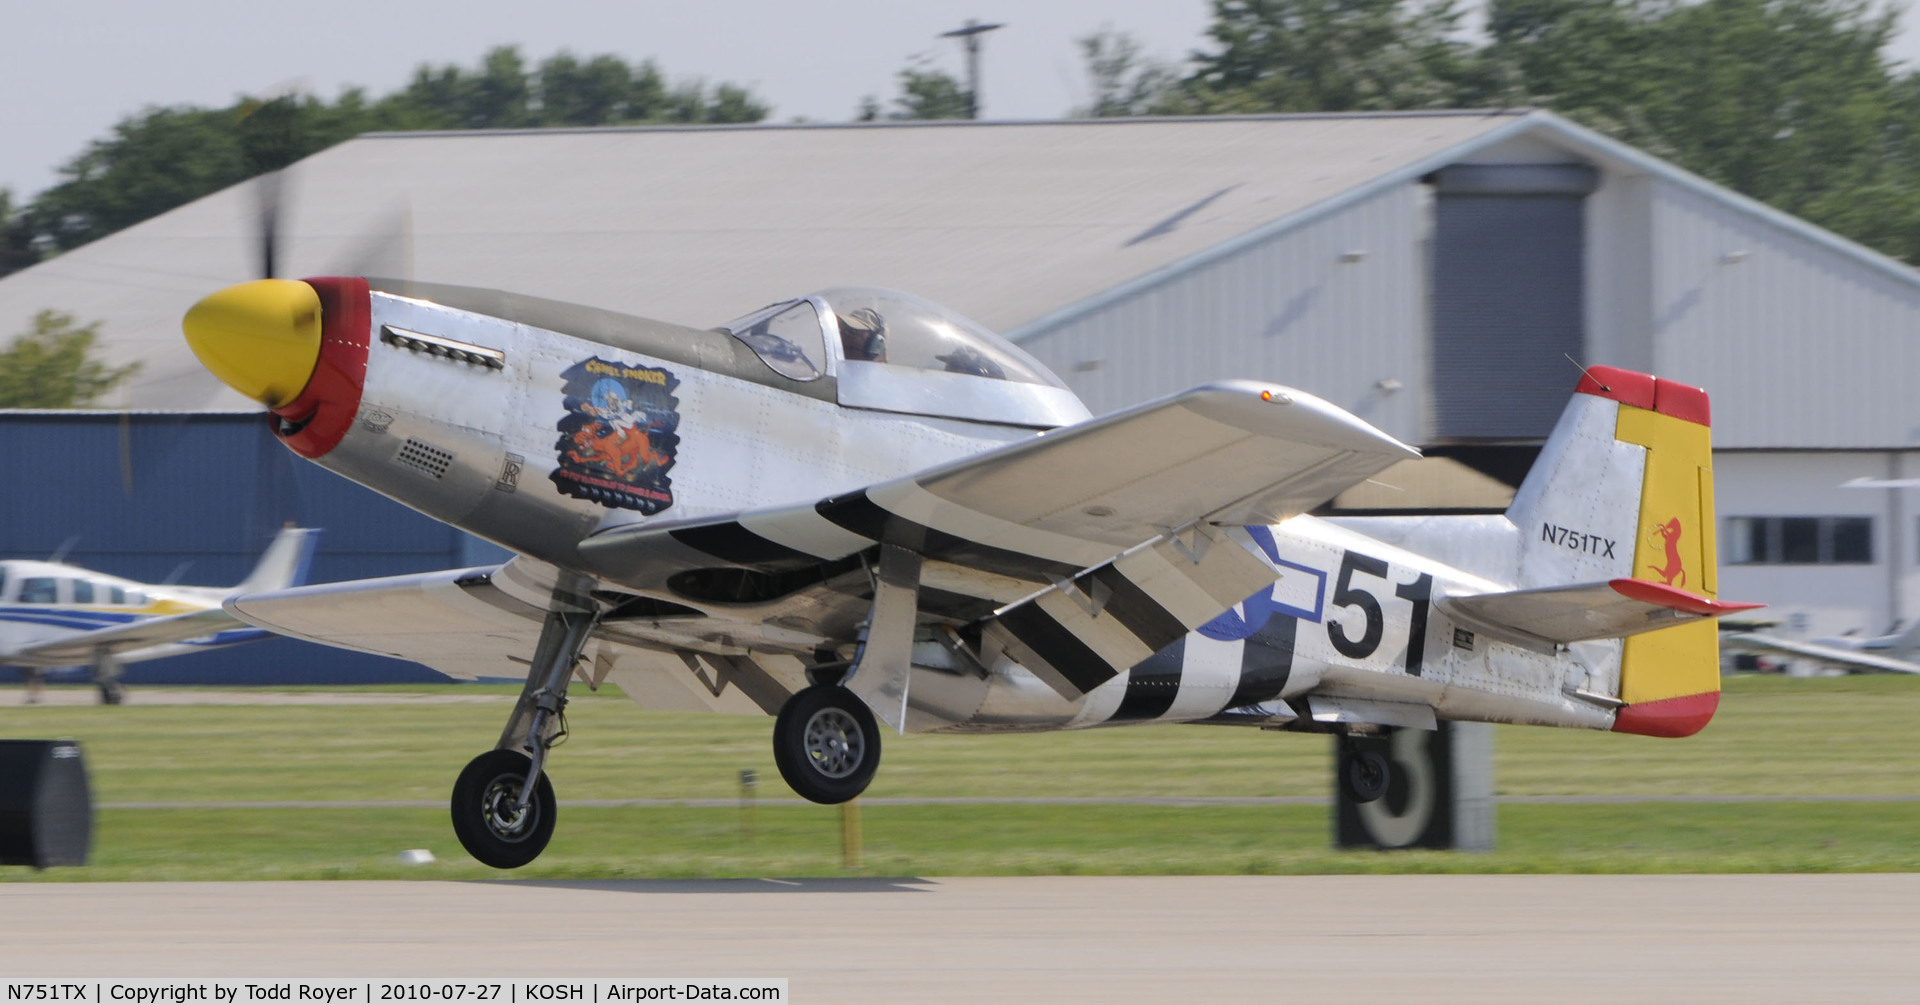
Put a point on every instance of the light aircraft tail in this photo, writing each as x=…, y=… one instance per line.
x=1904, y=641
x=285, y=563
x=1624, y=490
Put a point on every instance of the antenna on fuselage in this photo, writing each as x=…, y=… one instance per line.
x=60, y=555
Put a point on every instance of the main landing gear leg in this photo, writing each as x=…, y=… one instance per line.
x=503, y=804
x=106, y=677
x=825, y=740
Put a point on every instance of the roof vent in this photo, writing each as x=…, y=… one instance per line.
x=425, y=458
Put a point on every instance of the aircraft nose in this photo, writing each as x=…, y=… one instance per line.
x=260, y=338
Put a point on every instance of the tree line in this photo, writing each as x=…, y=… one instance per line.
x=1792, y=102
x=161, y=158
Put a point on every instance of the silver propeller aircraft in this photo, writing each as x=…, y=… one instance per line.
x=1892, y=653
x=56, y=615
x=856, y=507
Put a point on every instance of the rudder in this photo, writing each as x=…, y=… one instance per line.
x=1624, y=489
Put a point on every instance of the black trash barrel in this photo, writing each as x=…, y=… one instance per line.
x=46, y=805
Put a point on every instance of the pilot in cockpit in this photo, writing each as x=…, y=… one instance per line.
x=863, y=335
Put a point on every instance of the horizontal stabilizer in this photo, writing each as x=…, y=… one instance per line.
x=1559, y=615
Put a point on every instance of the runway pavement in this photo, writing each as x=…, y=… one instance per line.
x=1793, y=938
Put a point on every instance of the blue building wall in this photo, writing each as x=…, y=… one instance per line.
x=142, y=495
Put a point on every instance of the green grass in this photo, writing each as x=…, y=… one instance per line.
x=1773, y=736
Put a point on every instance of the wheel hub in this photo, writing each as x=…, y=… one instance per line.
x=499, y=807
x=835, y=744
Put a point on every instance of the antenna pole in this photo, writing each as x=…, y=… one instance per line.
x=969, y=34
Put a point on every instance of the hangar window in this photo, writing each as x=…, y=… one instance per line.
x=39, y=590
x=1800, y=540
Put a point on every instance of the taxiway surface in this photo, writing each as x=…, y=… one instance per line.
x=1053, y=939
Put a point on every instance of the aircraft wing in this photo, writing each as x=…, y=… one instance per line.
x=86, y=646
x=1852, y=659
x=462, y=624
x=1124, y=513
x=1560, y=615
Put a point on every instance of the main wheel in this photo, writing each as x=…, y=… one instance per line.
x=484, y=817
x=1364, y=774
x=112, y=693
x=826, y=744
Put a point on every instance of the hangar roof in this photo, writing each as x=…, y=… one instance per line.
x=1005, y=222
x=1022, y=226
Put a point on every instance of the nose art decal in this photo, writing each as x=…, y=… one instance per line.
x=618, y=435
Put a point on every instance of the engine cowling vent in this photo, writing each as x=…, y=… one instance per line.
x=424, y=457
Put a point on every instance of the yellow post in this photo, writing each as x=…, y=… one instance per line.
x=850, y=833
x=749, y=780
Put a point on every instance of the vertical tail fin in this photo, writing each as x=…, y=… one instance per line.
x=284, y=563
x=1624, y=488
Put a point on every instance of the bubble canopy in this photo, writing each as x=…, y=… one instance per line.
x=896, y=352
x=924, y=335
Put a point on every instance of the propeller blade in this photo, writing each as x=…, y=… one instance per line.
x=270, y=191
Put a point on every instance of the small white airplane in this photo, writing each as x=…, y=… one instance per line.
x=1892, y=653
x=856, y=507
x=57, y=615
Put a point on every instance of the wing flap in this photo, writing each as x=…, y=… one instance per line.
x=1561, y=615
x=1081, y=633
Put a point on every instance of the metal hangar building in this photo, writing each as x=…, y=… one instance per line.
x=1442, y=275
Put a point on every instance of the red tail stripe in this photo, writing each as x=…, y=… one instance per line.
x=1646, y=391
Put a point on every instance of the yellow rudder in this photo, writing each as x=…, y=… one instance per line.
x=1669, y=679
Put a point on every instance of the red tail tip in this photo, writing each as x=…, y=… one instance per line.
x=1668, y=717
x=1644, y=390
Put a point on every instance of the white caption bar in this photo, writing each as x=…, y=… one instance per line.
x=395, y=991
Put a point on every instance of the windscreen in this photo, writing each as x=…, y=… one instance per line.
x=786, y=336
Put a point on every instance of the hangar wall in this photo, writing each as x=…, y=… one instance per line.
x=1828, y=592
x=1335, y=306
x=141, y=494
x=1803, y=346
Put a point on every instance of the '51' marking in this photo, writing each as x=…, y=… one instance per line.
x=1345, y=594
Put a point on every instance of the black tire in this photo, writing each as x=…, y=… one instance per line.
x=826, y=744
x=483, y=818
x=112, y=693
x=1364, y=775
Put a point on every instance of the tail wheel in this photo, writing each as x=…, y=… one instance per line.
x=486, y=816
x=826, y=744
x=1364, y=774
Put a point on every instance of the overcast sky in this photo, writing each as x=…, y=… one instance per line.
x=75, y=67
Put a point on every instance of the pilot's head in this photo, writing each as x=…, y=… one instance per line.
x=863, y=334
